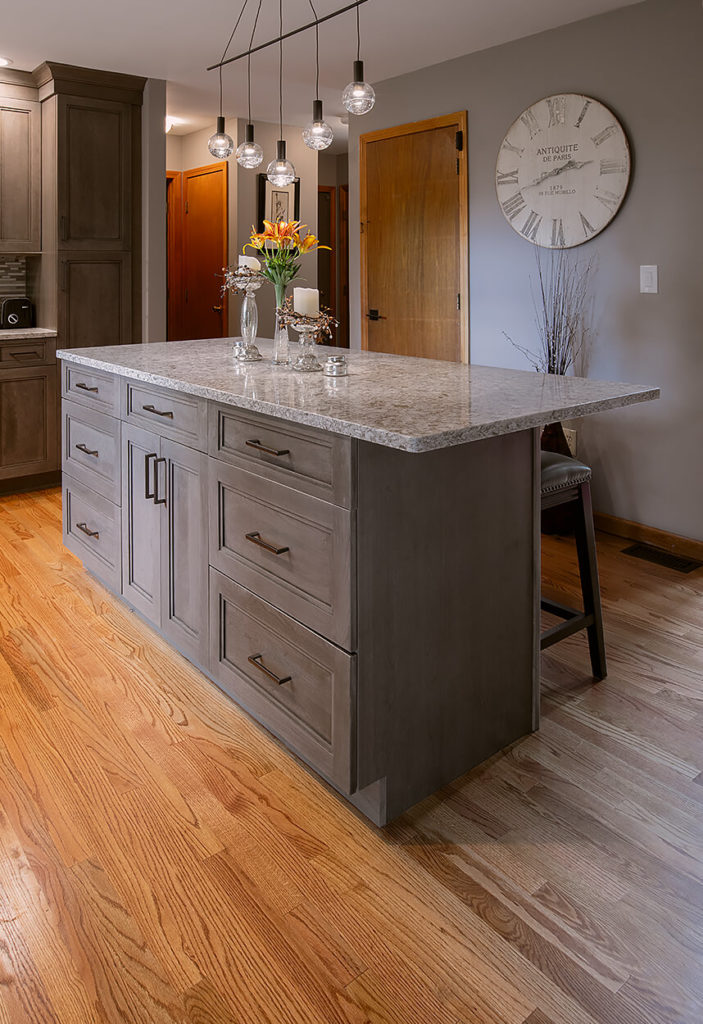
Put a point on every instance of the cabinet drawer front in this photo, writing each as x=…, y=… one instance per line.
x=310, y=708
x=170, y=413
x=289, y=548
x=312, y=461
x=92, y=388
x=27, y=351
x=91, y=530
x=91, y=449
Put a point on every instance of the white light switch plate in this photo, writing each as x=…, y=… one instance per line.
x=649, y=280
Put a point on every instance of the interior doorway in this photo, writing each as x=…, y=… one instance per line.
x=414, y=239
x=327, y=258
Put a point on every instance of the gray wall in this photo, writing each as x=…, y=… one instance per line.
x=645, y=63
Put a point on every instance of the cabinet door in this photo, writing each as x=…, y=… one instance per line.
x=20, y=176
x=94, y=186
x=142, y=486
x=184, y=551
x=95, y=292
x=28, y=422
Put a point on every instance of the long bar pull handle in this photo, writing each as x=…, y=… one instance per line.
x=255, y=443
x=85, y=387
x=83, y=527
x=148, y=491
x=157, y=499
x=254, y=660
x=84, y=448
x=257, y=539
x=157, y=412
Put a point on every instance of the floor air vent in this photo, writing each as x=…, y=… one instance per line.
x=659, y=557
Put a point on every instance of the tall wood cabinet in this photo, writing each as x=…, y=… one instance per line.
x=20, y=171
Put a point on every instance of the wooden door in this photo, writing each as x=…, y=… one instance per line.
x=28, y=422
x=343, y=300
x=20, y=175
x=184, y=551
x=327, y=233
x=95, y=293
x=142, y=483
x=174, y=255
x=94, y=173
x=204, y=251
x=414, y=239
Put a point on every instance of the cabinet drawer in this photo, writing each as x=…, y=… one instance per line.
x=312, y=461
x=92, y=388
x=27, y=351
x=170, y=413
x=298, y=685
x=91, y=449
x=289, y=548
x=91, y=530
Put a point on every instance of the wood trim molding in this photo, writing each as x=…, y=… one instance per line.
x=686, y=547
x=460, y=119
x=52, y=77
x=331, y=190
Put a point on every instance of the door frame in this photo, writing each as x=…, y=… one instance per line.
x=460, y=119
x=332, y=191
x=174, y=255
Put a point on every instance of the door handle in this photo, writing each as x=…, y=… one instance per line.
x=255, y=443
x=148, y=493
x=217, y=309
x=158, y=412
x=373, y=314
x=257, y=539
x=254, y=659
x=84, y=528
x=157, y=499
x=84, y=387
x=84, y=448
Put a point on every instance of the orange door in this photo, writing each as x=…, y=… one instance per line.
x=414, y=241
x=174, y=251
x=204, y=251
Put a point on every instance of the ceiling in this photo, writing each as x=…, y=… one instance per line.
x=176, y=41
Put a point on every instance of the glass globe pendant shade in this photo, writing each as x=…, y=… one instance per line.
x=318, y=134
x=249, y=154
x=220, y=144
x=281, y=171
x=358, y=97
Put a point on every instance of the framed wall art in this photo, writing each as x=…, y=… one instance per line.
x=277, y=202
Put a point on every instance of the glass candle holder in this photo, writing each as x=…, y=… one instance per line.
x=307, y=361
x=245, y=351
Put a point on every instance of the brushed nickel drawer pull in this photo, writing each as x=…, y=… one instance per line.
x=269, y=451
x=84, y=448
x=84, y=387
x=148, y=493
x=157, y=412
x=83, y=527
x=254, y=660
x=256, y=538
x=157, y=499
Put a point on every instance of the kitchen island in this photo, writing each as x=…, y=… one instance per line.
x=354, y=560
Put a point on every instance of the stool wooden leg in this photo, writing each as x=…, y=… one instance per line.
x=590, y=586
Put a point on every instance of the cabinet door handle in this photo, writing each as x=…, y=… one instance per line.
x=256, y=538
x=83, y=527
x=254, y=660
x=84, y=448
x=84, y=387
x=157, y=499
x=148, y=492
x=26, y=354
x=157, y=412
x=255, y=443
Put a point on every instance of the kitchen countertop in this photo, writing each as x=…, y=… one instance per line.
x=19, y=333
x=412, y=404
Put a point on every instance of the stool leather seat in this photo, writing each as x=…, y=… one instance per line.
x=559, y=472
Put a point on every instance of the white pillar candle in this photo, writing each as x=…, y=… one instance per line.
x=306, y=301
x=249, y=261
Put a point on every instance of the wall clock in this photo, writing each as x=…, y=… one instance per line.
x=562, y=171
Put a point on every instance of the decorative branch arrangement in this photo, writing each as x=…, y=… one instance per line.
x=236, y=279
x=318, y=325
x=560, y=302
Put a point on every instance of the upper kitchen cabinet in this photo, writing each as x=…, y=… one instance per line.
x=20, y=167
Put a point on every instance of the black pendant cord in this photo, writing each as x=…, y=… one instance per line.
x=358, y=36
x=229, y=43
x=251, y=43
x=280, y=68
x=317, y=49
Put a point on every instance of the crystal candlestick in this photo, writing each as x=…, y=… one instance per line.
x=245, y=351
x=307, y=361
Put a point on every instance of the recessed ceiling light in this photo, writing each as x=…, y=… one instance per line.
x=5, y=62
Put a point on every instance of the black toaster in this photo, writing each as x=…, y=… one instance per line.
x=16, y=313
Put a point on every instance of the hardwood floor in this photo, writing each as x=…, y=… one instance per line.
x=162, y=859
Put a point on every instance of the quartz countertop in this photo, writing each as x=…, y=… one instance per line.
x=412, y=404
x=19, y=333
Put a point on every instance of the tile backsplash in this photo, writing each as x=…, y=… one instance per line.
x=13, y=276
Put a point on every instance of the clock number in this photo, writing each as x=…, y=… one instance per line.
x=588, y=228
x=609, y=199
x=531, y=226
x=513, y=149
x=513, y=206
x=583, y=113
x=530, y=122
x=558, y=238
x=557, y=110
x=613, y=167
x=509, y=178
x=603, y=136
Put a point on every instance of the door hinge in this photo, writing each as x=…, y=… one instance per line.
x=186, y=206
x=459, y=141
x=458, y=301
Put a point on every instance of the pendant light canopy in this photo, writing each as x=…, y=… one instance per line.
x=280, y=171
x=358, y=97
x=249, y=153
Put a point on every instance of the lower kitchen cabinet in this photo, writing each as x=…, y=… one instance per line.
x=164, y=537
x=28, y=421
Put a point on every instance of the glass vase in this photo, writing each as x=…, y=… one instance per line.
x=281, y=342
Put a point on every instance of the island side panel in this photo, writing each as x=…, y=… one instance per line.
x=446, y=610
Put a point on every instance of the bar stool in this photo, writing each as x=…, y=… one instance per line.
x=563, y=481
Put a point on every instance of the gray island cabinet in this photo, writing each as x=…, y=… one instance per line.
x=354, y=561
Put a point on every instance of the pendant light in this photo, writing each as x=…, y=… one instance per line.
x=220, y=144
x=318, y=134
x=280, y=171
x=250, y=154
x=358, y=97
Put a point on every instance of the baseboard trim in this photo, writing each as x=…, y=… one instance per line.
x=672, y=542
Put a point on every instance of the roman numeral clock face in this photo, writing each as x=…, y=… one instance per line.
x=563, y=171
